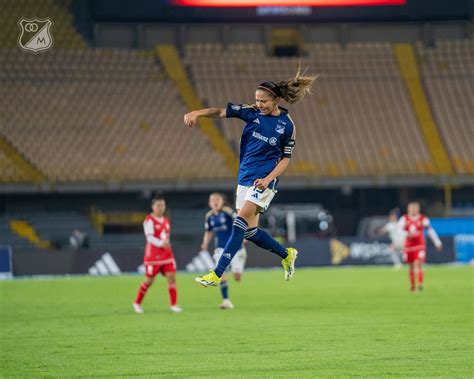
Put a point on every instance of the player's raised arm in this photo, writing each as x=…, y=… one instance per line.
x=190, y=119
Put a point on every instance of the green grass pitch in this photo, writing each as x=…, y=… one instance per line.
x=326, y=322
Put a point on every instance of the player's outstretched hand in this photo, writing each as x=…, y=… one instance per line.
x=190, y=119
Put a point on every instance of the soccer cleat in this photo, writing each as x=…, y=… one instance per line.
x=226, y=304
x=137, y=308
x=209, y=280
x=289, y=263
x=176, y=309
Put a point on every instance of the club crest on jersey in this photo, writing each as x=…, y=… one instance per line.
x=256, y=121
x=35, y=34
x=272, y=141
x=280, y=128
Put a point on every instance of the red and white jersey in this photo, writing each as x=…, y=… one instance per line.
x=414, y=228
x=157, y=230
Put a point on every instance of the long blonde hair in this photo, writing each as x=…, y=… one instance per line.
x=291, y=90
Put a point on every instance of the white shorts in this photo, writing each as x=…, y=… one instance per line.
x=254, y=195
x=237, y=264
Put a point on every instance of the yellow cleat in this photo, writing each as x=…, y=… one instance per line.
x=209, y=280
x=289, y=263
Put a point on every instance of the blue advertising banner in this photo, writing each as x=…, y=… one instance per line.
x=6, y=267
x=464, y=247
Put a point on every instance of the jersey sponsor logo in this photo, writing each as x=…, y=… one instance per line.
x=236, y=107
x=256, y=121
x=106, y=265
x=280, y=129
x=272, y=141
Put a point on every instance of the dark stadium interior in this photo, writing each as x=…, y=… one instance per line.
x=83, y=152
x=96, y=97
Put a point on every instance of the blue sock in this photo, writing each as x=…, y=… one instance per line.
x=264, y=240
x=224, y=289
x=233, y=245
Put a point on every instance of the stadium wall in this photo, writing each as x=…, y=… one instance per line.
x=148, y=35
x=315, y=252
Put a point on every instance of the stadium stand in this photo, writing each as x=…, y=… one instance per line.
x=25, y=230
x=405, y=55
x=448, y=73
x=100, y=115
x=49, y=230
x=78, y=114
x=175, y=69
x=9, y=237
x=45, y=230
x=359, y=122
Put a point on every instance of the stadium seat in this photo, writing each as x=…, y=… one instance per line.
x=447, y=71
x=101, y=115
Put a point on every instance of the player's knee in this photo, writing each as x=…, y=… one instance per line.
x=149, y=280
x=249, y=211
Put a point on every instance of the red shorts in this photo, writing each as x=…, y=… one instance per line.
x=414, y=255
x=152, y=270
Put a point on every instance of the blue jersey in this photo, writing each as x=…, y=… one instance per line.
x=221, y=225
x=266, y=139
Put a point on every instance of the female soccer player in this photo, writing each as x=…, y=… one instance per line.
x=414, y=224
x=219, y=223
x=266, y=147
x=159, y=257
x=396, y=235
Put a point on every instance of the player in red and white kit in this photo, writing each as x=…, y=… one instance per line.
x=414, y=223
x=159, y=257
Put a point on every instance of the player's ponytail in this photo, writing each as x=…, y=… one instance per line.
x=295, y=89
x=291, y=90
